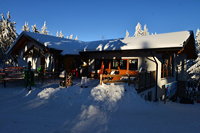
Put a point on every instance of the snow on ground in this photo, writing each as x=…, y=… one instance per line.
x=49, y=108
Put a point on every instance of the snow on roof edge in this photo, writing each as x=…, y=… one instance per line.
x=108, y=44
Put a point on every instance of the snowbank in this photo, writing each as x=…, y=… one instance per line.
x=97, y=109
x=107, y=93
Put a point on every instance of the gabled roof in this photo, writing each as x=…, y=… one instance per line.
x=167, y=40
x=178, y=41
x=67, y=46
x=175, y=40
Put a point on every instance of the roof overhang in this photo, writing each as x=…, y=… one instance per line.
x=21, y=42
x=187, y=48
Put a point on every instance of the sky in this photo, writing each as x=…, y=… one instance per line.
x=104, y=19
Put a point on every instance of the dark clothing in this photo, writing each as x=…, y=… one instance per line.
x=84, y=72
x=29, y=78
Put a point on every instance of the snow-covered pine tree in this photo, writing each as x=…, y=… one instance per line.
x=71, y=36
x=25, y=27
x=198, y=37
x=7, y=32
x=138, y=30
x=145, y=32
x=57, y=34
x=34, y=28
x=61, y=34
x=44, y=29
x=127, y=34
x=194, y=70
x=76, y=38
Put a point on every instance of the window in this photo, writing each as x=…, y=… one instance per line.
x=115, y=64
x=167, y=66
x=123, y=64
x=133, y=64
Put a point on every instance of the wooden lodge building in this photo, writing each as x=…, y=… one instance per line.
x=152, y=61
x=52, y=53
x=161, y=58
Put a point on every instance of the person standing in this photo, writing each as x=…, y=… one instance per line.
x=84, y=74
x=29, y=76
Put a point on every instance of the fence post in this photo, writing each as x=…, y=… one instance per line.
x=101, y=79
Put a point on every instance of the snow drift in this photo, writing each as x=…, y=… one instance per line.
x=114, y=108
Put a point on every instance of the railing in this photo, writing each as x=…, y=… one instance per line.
x=142, y=80
x=17, y=73
x=106, y=78
x=145, y=80
x=11, y=73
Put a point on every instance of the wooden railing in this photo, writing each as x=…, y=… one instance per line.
x=11, y=73
x=142, y=80
x=145, y=80
x=107, y=78
x=18, y=73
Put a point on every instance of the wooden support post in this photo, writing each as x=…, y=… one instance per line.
x=101, y=79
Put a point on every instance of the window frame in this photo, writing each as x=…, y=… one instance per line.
x=167, y=66
x=132, y=63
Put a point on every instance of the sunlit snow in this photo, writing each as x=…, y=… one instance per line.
x=114, y=108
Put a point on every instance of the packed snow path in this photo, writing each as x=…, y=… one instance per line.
x=96, y=109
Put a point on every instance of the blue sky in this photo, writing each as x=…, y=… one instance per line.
x=97, y=19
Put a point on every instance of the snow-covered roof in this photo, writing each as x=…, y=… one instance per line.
x=167, y=40
x=73, y=47
x=68, y=46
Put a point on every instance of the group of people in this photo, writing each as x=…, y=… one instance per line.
x=66, y=77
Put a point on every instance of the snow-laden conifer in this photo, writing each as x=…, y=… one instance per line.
x=138, y=30
x=57, y=34
x=7, y=32
x=34, y=29
x=145, y=32
x=76, y=38
x=71, y=36
x=44, y=29
x=25, y=27
x=61, y=34
x=127, y=34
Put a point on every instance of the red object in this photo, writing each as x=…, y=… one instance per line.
x=102, y=68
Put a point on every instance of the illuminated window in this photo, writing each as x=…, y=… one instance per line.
x=115, y=64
